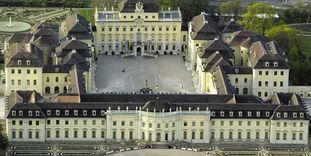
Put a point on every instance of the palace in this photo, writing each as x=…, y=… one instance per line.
x=159, y=118
x=140, y=29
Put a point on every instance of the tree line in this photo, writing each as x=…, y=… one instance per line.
x=45, y=3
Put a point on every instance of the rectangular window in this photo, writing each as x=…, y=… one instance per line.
x=221, y=123
x=93, y=122
x=231, y=123
x=30, y=134
x=75, y=134
x=12, y=71
x=102, y=134
x=267, y=72
x=259, y=83
x=57, y=134
x=275, y=73
x=257, y=135
x=12, y=82
x=266, y=135
x=239, y=135
x=28, y=71
x=284, y=136
x=34, y=71
x=122, y=123
x=66, y=134
x=277, y=136
x=34, y=82
x=221, y=135
x=248, y=135
x=240, y=123
x=193, y=135
x=56, y=79
x=300, y=136
x=202, y=123
x=48, y=133
x=193, y=123
x=185, y=123
x=294, y=136
x=20, y=134
x=282, y=72
x=13, y=134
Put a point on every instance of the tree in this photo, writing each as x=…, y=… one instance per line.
x=259, y=18
x=306, y=8
x=3, y=140
x=102, y=3
x=230, y=7
x=284, y=35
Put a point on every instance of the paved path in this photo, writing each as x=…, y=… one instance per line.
x=164, y=74
x=160, y=152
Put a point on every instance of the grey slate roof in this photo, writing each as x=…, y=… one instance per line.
x=231, y=26
x=67, y=46
x=56, y=68
x=76, y=26
x=20, y=37
x=219, y=46
x=237, y=70
x=130, y=6
x=24, y=57
x=204, y=28
x=269, y=52
x=222, y=82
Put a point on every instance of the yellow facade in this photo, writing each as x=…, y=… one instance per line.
x=138, y=33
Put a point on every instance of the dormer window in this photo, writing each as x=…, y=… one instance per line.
x=249, y=113
x=48, y=112
x=66, y=112
x=20, y=113
x=267, y=114
x=102, y=113
x=75, y=112
x=240, y=113
x=56, y=69
x=29, y=113
x=28, y=62
x=295, y=115
x=258, y=114
x=57, y=112
x=213, y=113
x=84, y=112
x=231, y=114
x=301, y=115
x=222, y=113
x=19, y=62
x=275, y=64
x=94, y=112
x=13, y=113
x=267, y=64
x=37, y=113
x=285, y=115
x=278, y=115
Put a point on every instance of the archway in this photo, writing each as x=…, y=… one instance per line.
x=158, y=139
x=138, y=51
x=47, y=90
x=56, y=90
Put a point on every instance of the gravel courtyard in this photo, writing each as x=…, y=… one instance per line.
x=166, y=74
x=160, y=152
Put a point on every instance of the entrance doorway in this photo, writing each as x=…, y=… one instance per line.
x=138, y=51
x=158, y=139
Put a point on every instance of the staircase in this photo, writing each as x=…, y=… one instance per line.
x=160, y=145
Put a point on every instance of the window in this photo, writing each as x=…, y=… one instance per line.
x=57, y=134
x=84, y=122
x=75, y=134
x=202, y=123
x=259, y=83
x=213, y=135
x=300, y=136
x=249, y=113
x=84, y=134
x=248, y=135
x=257, y=135
x=122, y=135
x=274, y=83
x=267, y=114
x=185, y=135
x=114, y=123
x=285, y=115
x=20, y=134
x=282, y=72
x=150, y=125
x=193, y=123
x=29, y=113
x=257, y=123
x=231, y=114
x=48, y=122
x=29, y=134
x=13, y=122
x=267, y=123
x=93, y=134
x=166, y=125
x=295, y=115
x=275, y=73
x=84, y=112
x=158, y=125
x=222, y=113
x=29, y=123
x=37, y=123
x=66, y=134
x=57, y=112
x=48, y=133
x=122, y=123
x=185, y=123
x=301, y=124
x=201, y=135
x=48, y=112
x=266, y=135
x=47, y=79
x=12, y=82
x=75, y=122
x=28, y=82
x=278, y=124
x=249, y=123
x=258, y=114
x=294, y=124
x=260, y=72
x=240, y=113
x=57, y=122
x=13, y=113
x=267, y=72
x=66, y=122
x=193, y=135
x=19, y=71
x=240, y=123
x=266, y=83
x=34, y=71
x=28, y=62
x=278, y=115
x=28, y=71
x=294, y=136
x=284, y=136
x=281, y=84
x=56, y=79
x=222, y=123
x=231, y=123
x=259, y=94
x=131, y=123
x=102, y=134
x=221, y=135
x=20, y=113
x=37, y=113
x=131, y=135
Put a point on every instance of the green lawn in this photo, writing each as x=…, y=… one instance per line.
x=88, y=14
x=306, y=45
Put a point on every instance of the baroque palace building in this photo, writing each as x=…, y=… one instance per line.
x=139, y=28
x=281, y=119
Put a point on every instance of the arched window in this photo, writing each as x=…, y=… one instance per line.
x=150, y=136
x=201, y=135
x=245, y=91
x=56, y=90
x=47, y=90
x=166, y=136
x=122, y=134
x=65, y=89
x=185, y=135
x=237, y=90
x=143, y=136
x=131, y=135
x=114, y=135
x=173, y=136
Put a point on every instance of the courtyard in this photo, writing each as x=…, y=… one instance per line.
x=165, y=74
